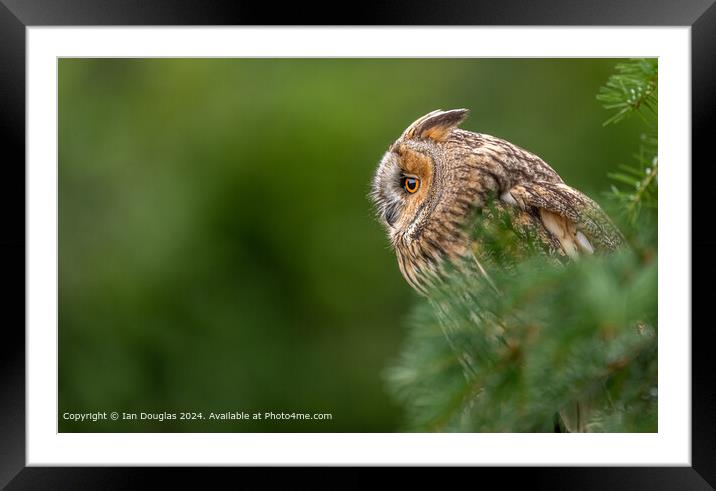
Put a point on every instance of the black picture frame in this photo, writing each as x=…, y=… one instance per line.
x=16, y=15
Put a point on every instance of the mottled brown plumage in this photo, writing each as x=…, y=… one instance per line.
x=459, y=172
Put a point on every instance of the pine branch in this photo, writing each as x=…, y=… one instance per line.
x=633, y=88
x=641, y=191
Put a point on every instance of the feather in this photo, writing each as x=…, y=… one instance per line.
x=507, y=198
x=584, y=243
x=572, y=217
x=562, y=229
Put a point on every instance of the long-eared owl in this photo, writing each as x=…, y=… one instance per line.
x=435, y=175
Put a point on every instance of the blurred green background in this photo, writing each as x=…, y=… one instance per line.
x=217, y=249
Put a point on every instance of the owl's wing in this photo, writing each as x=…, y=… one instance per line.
x=575, y=220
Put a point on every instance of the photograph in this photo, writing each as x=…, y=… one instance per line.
x=357, y=245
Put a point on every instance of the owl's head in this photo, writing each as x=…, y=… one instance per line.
x=422, y=194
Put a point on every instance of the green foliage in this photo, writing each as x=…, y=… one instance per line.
x=633, y=90
x=641, y=189
x=508, y=352
x=546, y=336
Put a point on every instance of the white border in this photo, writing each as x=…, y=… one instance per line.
x=671, y=446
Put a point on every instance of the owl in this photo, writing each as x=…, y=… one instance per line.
x=433, y=178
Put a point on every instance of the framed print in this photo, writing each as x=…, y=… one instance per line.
x=424, y=240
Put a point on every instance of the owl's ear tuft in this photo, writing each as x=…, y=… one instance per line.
x=436, y=125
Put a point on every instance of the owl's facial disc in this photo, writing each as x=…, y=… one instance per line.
x=409, y=190
x=401, y=187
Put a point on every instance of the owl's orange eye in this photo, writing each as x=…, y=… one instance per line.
x=411, y=184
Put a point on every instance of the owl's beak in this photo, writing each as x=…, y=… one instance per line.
x=391, y=213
